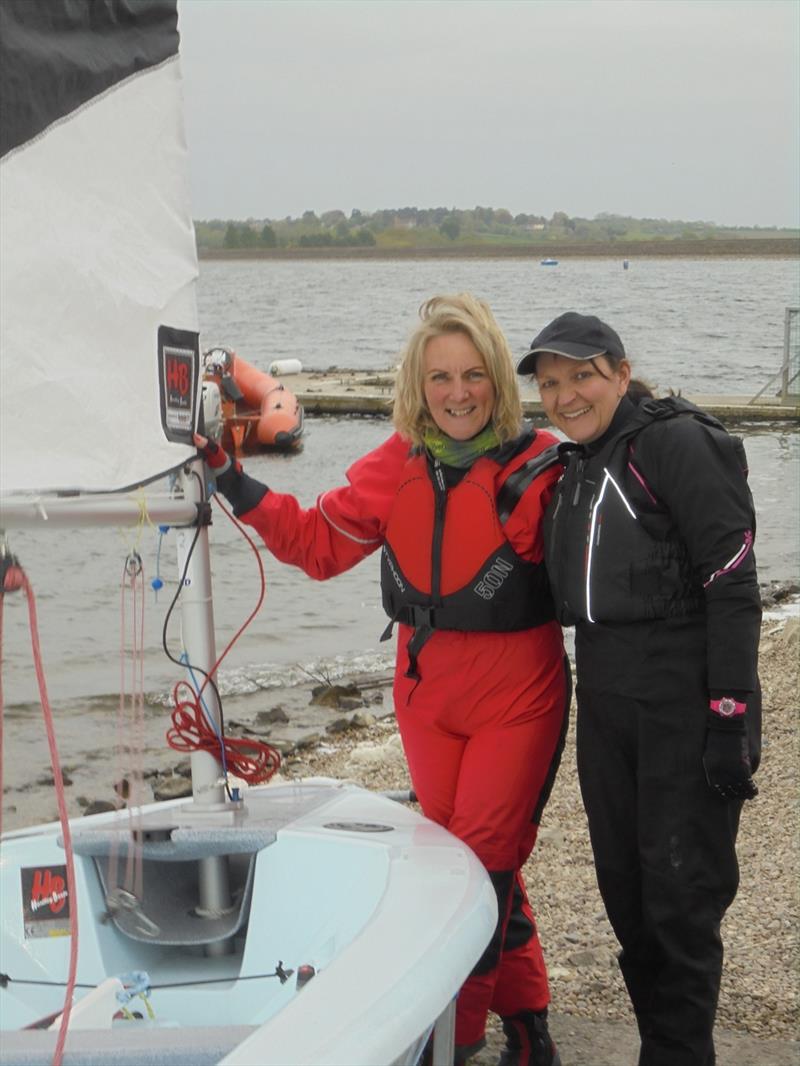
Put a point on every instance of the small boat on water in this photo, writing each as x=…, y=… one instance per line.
x=548, y=262
x=245, y=408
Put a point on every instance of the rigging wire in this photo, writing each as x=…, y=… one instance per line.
x=6, y=979
x=193, y=727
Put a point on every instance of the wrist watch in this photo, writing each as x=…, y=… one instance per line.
x=728, y=707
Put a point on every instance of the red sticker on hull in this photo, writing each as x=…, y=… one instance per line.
x=45, y=901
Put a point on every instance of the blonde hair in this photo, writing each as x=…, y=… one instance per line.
x=459, y=313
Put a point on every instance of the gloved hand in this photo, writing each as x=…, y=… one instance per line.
x=225, y=471
x=726, y=758
x=239, y=489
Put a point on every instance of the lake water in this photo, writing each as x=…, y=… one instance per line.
x=702, y=326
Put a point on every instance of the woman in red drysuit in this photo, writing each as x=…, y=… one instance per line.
x=455, y=500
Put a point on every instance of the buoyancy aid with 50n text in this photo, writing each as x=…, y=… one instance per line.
x=446, y=562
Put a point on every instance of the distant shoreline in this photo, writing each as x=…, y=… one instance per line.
x=751, y=248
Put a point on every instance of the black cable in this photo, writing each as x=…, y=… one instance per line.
x=184, y=663
x=279, y=972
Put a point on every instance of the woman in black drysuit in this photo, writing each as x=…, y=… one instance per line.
x=649, y=550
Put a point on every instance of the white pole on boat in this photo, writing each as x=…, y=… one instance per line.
x=197, y=631
x=77, y=512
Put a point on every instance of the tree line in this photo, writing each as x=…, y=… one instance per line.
x=431, y=227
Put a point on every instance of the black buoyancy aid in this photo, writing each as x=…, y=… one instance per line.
x=446, y=562
x=612, y=552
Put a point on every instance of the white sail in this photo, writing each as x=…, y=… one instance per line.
x=97, y=253
x=215, y=918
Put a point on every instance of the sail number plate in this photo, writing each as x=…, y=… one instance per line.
x=178, y=372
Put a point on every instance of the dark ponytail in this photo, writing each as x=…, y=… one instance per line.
x=639, y=390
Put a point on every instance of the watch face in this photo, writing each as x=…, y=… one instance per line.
x=727, y=706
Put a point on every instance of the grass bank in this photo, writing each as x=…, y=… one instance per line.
x=752, y=247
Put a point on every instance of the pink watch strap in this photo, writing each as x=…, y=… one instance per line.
x=728, y=707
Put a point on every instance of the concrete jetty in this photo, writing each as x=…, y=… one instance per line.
x=338, y=391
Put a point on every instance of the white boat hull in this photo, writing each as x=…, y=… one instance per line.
x=390, y=910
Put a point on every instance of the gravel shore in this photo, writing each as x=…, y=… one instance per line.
x=590, y=1016
x=761, y=982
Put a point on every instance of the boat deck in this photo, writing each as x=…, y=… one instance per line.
x=341, y=391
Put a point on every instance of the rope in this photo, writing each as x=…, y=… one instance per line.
x=279, y=972
x=157, y=583
x=130, y=725
x=193, y=727
x=14, y=578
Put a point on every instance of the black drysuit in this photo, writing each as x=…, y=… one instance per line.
x=649, y=552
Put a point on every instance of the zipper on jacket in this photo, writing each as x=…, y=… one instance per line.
x=440, y=494
x=573, y=495
x=579, y=465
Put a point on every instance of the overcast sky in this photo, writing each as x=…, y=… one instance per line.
x=679, y=109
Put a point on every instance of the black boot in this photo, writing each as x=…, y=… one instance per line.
x=464, y=1052
x=528, y=1041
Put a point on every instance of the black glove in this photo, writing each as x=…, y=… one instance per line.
x=239, y=489
x=726, y=758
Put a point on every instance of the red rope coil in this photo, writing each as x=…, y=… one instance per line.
x=254, y=761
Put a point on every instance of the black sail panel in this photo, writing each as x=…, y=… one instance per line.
x=97, y=290
x=54, y=57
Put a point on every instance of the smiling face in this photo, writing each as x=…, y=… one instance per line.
x=458, y=391
x=580, y=396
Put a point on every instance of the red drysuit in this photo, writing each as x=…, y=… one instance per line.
x=483, y=721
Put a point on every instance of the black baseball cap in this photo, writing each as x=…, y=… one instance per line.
x=575, y=336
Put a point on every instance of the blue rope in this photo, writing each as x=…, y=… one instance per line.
x=157, y=583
